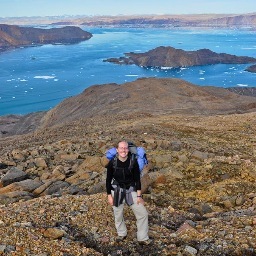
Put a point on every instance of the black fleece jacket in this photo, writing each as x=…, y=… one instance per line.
x=122, y=174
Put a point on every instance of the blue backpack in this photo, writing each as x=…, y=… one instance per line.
x=137, y=153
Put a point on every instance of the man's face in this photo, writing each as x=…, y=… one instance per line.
x=123, y=149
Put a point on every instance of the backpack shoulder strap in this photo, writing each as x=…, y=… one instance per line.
x=133, y=158
x=114, y=161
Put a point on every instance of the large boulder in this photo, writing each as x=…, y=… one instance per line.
x=24, y=185
x=13, y=175
x=15, y=196
x=56, y=187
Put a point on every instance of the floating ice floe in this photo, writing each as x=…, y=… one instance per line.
x=166, y=68
x=44, y=77
x=202, y=78
x=23, y=80
x=249, y=48
x=131, y=75
x=242, y=85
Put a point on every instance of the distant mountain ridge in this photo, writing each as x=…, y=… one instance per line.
x=12, y=36
x=188, y=20
x=248, y=20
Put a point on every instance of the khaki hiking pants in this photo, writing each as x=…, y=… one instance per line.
x=141, y=215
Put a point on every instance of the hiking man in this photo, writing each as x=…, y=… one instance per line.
x=123, y=184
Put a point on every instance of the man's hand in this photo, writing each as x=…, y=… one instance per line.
x=140, y=200
x=110, y=200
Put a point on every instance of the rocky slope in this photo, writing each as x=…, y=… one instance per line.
x=199, y=187
x=175, y=58
x=19, y=124
x=247, y=91
x=14, y=36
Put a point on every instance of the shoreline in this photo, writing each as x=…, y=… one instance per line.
x=23, y=114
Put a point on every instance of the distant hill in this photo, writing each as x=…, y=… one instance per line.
x=171, y=57
x=248, y=20
x=200, y=20
x=150, y=96
x=14, y=36
x=188, y=20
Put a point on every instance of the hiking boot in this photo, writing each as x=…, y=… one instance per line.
x=120, y=238
x=146, y=242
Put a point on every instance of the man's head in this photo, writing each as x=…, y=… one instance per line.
x=123, y=149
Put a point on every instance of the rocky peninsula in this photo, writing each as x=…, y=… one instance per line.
x=251, y=69
x=169, y=57
x=199, y=186
x=12, y=36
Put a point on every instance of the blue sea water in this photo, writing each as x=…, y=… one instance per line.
x=38, y=78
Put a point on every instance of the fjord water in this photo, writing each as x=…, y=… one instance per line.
x=38, y=78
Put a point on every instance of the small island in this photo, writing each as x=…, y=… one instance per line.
x=12, y=36
x=252, y=69
x=170, y=57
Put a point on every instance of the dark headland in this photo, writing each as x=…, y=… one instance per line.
x=12, y=36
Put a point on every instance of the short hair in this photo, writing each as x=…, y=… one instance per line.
x=121, y=142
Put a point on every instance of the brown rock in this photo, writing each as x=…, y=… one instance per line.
x=162, y=161
x=199, y=155
x=25, y=185
x=69, y=157
x=80, y=176
x=18, y=155
x=145, y=183
x=104, y=161
x=40, y=162
x=54, y=233
x=240, y=200
x=91, y=163
x=186, y=228
x=43, y=187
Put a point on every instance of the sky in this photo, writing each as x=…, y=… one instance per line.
x=21, y=8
